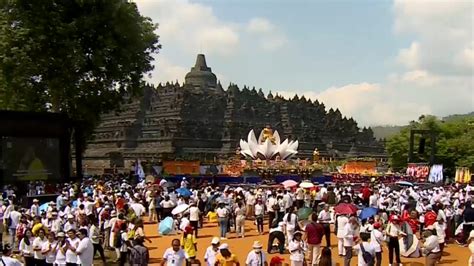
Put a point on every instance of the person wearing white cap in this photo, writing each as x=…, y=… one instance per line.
x=175, y=255
x=226, y=258
x=70, y=224
x=256, y=256
x=34, y=210
x=60, y=250
x=212, y=251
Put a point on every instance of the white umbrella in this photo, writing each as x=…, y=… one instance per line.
x=179, y=209
x=289, y=183
x=306, y=185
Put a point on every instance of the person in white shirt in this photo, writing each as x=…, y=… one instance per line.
x=48, y=249
x=297, y=249
x=393, y=231
x=256, y=256
x=70, y=224
x=138, y=208
x=6, y=260
x=60, y=250
x=431, y=248
x=174, y=256
x=440, y=228
x=325, y=218
x=34, y=210
x=72, y=244
x=300, y=197
x=222, y=217
x=349, y=233
x=367, y=247
x=212, y=251
x=85, y=249
x=194, y=217
x=259, y=211
x=38, y=244
x=14, y=221
x=290, y=222
x=376, y=240
x=342, y=220
x=250, y=201
x=26, y=247
x=94, y=236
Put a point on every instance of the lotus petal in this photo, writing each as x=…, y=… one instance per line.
x=260, y=137
x=282, y=148
x=277, y=137
x=293, y=145
x=253, y=144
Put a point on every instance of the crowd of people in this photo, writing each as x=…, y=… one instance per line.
x=107, y=214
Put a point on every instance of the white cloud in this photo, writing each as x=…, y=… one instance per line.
x=268, y=36
x=409, y=57
x=443, y=33
x=260, y=25
x=166, y=71
x=188, y=28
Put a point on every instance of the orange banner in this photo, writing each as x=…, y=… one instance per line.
x=360, y=167
x=181, y=167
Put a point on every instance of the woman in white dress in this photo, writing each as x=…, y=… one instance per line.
x=60, y=250
x=297, y=249
x=290, y=221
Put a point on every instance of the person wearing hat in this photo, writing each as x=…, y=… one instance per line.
x=376, y=239
x=70, y=224
x=393, y=232
x=256, y=256
x=212, y=251
x=189, y=244
x=277, y=261
x=225, y=257
x=60, y=249
x=297, y=249
x=431, y=248
x=34, y=209
x=6, y=259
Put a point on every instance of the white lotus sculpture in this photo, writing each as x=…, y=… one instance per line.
x=267, y=147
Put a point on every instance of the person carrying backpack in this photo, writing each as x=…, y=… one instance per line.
x=366, y=251
x=139, y=255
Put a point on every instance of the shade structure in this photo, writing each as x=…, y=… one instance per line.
x=289, y=183
x=306, y=184
x=166, y=226
x=345, y=208
x=184, y=192
x=179, y=209
x=404, y=183
x=368, y=212
x=304, y=213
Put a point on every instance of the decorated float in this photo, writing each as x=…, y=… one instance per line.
x=268, y=156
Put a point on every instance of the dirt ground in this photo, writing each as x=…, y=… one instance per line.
x=453, y=254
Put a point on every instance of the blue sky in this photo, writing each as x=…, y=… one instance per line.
x=381, y=62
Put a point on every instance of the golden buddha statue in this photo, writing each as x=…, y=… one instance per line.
x=268, y=134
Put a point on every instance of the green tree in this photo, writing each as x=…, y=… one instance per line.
x=454, y=145
x=78, y=57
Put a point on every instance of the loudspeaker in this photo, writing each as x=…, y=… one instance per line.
x=421, y=147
